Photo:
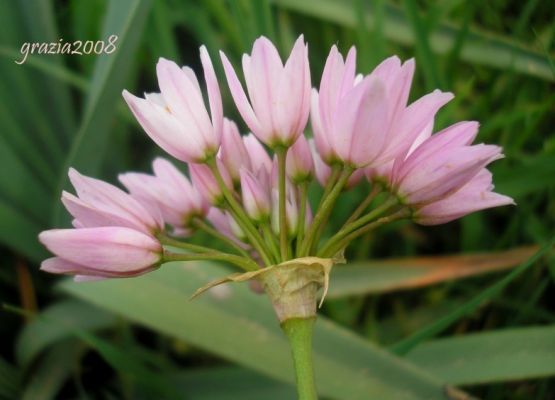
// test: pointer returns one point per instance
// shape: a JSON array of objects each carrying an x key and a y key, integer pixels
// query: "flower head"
[
  {"x": 177, "y": 119},
  {"x": 364, "y": 121},
  {"x": 100, "y": 252},
  {"x": 168, "y": 191},
  {"x": 279, "y": 94}
]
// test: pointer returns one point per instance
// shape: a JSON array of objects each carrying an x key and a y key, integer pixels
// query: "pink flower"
[
  {"x": 100, "y": 252},
  {"x": 233, "y": 152},
  {"x": 259, "y": 158},
  {"x": 101, "y": 204},
  {"x": 441, "y": 165},
  {"x": 177, "y": 120},
  {"x": 206, "y": 184},
  {"x": 225, "y": 224},
  {"x": 168, "y": 191},
  {"x": 323, "y": 170},
  {"x": 256, "y": 197},
  {"x": 299, "y": 165},
  {"x": 279, "y": 94},
  {"x": 476, "y": 195},
  {"x": 291, "y": 212},
  {"x": 364, "y": 121}
]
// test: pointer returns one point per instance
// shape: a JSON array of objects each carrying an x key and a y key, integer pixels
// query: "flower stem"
[
  {"x": 241, "y": 262},
  {"x": 352, "y": 226},
  {"x": 333, "y": 246},
  {"x": 303, "y": 194},
  {"x": 239, "y": 214},
  {"x": 299, "y": 333},
  {"x": 271, "y": 240},
  {"x": 364, "y": 204},
  {"x": 170, "y": 241},
  {"x": 199, "y": 223},
  {"x": 281, "y": 153},
  {"x": 324, "y": 210}
]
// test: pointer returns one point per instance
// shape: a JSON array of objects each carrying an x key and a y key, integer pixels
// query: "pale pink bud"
[
  {"x": 206, "y": 184},
  {"x": 101, "y": 252},
  {"x": 256, "y": 197},
  {"x": 291, "y": 213},
  {"x": 441, "y": 165},
  {"x": 102, "y": 204},
  {"x": 259, "y": 158},
  {"x": 178, "y": 120},
  {"x": 169, "y": 191},
  {"x": 476, "y": 195},
  {"x": 299, "y": 165},
  {"x": 233, "y": 152},
  {"x": 279, "y": 94}
]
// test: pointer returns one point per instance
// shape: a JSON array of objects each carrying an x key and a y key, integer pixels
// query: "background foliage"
[{"x": 492, "y": 333}]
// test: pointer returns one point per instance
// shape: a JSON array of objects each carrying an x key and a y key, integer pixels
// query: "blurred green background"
[{"x": 400, "y": 329}]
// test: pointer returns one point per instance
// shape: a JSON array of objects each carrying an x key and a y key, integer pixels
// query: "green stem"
[
  {"x": 200, "y": 224},
  {"x": 170, "y": 241},
  {"x": 271, "y": 240},
  {"x": 239, "y": 214},
  {"x": 364, "y": 204},
  {"x": 299, "y": 333},
  {"x": 324, "y": 210},
  {"x": 350, "y": 227},
  {"x": 332, "y": 247},
  {"x": 241, "y": 262},
  {"x": 303, "y": 194},
  {"x": 281, "y": 153}
]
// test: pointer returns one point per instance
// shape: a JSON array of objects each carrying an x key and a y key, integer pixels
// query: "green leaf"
[
  {"x": 126, "y": 20},
  {"x": 9, "y": 380},
  {"x": 232, "y": 383},
  {"x": 382, "y": 276},
  {"x": 58, "y": 322},
  {"x": 522, "y": 353},
  {"x": 52, "y": 371},
  {"x": 480, "y": 47},
  {"x": 441, "y": 324},
  {"x": 247, "y": 332}
]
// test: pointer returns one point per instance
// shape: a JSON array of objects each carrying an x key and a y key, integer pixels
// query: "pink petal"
[
  {"x": 109, "y": 198},
  {"x": 165, "y": 130},
  {"x": 214, "y": 96},
  {"x": 239, "y": 96},
  {"x": 112, "y": 249},
  {"x": 184, "y": 101}
]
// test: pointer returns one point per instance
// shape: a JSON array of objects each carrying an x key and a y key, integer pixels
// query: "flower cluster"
[{"x": 250, "y": 191}]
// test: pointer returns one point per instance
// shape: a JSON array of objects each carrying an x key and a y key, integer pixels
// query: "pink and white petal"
[
  {"x": 183, "y": 98},
  {"x": 239, "y": 96},
  {"x": 214, "y": 95},
  {"x": 112, "y": 249},
  {"x": 90, "y": 217},
  {"x": 165, "y": 130},
  {"x": 107, "y": 197}
]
